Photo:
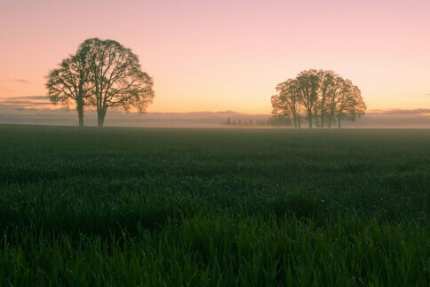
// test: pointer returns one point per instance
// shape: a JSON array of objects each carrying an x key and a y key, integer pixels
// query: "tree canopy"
[
  {"x": 323, "y": 98},
  {"x": 104, "y": 74},
  {"x": 69, "y": 83}
]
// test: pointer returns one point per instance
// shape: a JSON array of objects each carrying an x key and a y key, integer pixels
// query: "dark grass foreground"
[{"x": 160, "y": 207}]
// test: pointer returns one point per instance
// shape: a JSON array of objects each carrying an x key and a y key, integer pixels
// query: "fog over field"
[{"x": 36, "y": 111}]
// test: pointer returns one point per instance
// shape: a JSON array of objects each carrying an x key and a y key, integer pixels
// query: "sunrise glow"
[{"x": 228, "y": 55}]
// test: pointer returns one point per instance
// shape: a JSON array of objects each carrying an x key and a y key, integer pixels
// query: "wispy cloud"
[
  {"x": 34, "y": 102},
  {"x": 32, "y": 98},
  {"x": 416, "y": 112},
  {"x": 22, "y": 103},
  {"x": 21, "y": 81}
]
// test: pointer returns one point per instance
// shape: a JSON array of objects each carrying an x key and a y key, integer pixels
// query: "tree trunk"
[
  {"x": 80, "y": 110},
  {"x": 101, "y": 118},
  {"x": 81, "y": 117},
  {"x": 295, "y": 120},
  {"x": 323, "y": 113},
  {"x": 310, "y": 123},
  {"x": 339, "y": 123},
  {"x": 331, "y": 120}
]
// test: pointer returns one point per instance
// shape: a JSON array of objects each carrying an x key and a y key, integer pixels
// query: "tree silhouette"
[
  {"x": 323, "y": 97},
  {"x": 308, "y": 85},
  {"x": 69, "y": 83},
  {"x": 327, "y": 87},
  {"x": 287, "y": 102},
  {"x": 102, "y": 73},
  {"x": 116, "y": 75}
]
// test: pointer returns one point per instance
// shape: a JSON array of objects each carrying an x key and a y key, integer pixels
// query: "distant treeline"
[
  {"x": 322, "y": 98},
  {"x": 248, "y": 122},
  {"x": 270, "y": 121}
]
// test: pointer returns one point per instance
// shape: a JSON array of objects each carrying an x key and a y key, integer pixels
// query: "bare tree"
[
  {"x": 69, "y": 84},
  {"x": 116, "y": 76}
]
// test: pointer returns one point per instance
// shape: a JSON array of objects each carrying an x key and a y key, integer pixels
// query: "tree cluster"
[
  {"x": 322, "y": 98},
  {"x": 102, "y": 74}
]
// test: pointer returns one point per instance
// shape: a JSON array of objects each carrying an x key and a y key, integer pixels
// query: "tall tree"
[
  {"x": 69, "y": 84},
  {"x": 358, "y": 106},
  {"x": 343, "y": 101},
  {"x": 333, "y": 96},
  {"x": 327, "y": 85},
  {"x": 287, "y": 102},
  {"x": 308, "y": 85},
  {"x": 116, "y": 75}
]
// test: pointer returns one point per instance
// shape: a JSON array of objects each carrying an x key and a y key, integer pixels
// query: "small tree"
[
  {"x": 69, "y": 84},
  {"x": 323, "y": 96},
  {"x": 116, "y": 75}
]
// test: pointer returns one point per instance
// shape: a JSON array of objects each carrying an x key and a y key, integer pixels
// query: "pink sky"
[{"x": 228, "y": 54}]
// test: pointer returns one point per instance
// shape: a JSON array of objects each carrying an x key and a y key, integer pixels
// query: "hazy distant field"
[{"x": 166, "y": 207}]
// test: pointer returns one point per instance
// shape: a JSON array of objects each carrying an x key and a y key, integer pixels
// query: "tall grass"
[{"x": 131, "y": 207}]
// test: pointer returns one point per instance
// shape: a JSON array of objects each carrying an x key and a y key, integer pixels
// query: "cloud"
[
  {"x": 22, "y": 103},
  {"x": 31, "y": 98},
  {"x": 26, "y": 102},
  {"x": 21, "y": 81},
  {"x": 417, "y": 112}
]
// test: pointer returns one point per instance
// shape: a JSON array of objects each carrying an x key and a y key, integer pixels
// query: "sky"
[{"x": 228, "y": 54}]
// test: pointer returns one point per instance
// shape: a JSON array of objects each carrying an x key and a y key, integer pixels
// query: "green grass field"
[{"x": 166, "y": 207}]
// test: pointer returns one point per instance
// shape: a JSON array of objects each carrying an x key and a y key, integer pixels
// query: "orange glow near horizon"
[{"x": 228, "y": 55}]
